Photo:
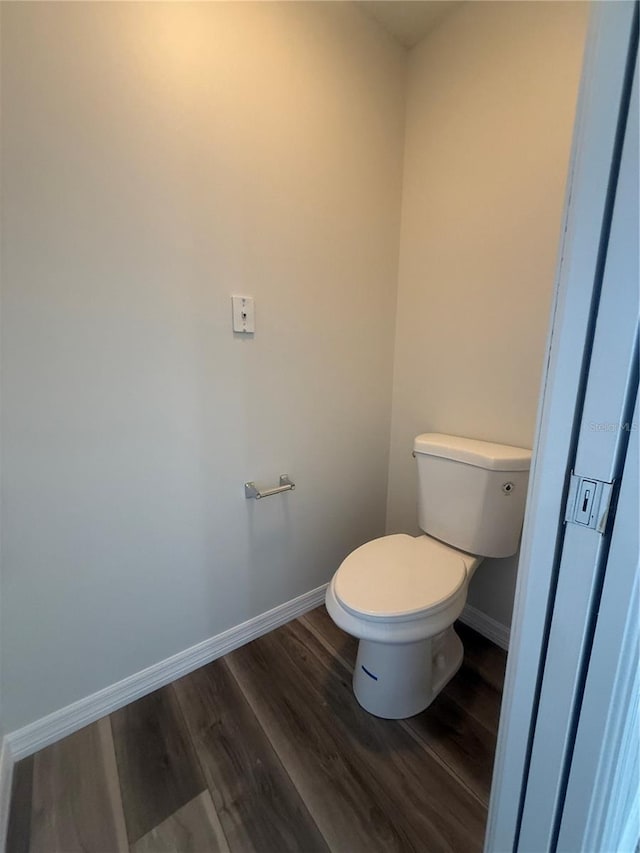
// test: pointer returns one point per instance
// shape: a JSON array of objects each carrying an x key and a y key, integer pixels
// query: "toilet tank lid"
[{"x": 482, "y": 454}]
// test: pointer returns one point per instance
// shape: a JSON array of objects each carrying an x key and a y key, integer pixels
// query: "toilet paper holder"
[{"x": 252, "y": 491}]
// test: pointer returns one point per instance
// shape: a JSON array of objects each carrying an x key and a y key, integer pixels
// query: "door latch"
[{"x": 588, "y": 502}]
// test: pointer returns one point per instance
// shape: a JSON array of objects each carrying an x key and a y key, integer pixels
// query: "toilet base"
[{"x": 398, "y": 680}]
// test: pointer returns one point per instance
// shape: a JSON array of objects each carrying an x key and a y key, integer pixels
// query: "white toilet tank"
[{"x": 471, "y": 494}]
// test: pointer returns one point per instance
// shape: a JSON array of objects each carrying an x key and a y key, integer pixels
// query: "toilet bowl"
[{"x": 400, "y": 595}]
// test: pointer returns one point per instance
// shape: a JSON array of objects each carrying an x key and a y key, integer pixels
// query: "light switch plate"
[{"x": 243, "y": 314}]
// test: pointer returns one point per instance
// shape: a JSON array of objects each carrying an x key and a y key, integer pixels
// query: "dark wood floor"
[{"x": 267, "y": 750}]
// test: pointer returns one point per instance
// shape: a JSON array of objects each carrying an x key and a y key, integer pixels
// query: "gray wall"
[
  {"x": 157, "y": 158},
  {"x": 490, "y": 106}
]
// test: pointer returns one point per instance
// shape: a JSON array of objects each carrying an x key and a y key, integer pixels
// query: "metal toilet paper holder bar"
[{"x": 252, "y": 491}]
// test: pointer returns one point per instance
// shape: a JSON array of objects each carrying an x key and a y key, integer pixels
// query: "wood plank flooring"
[
  {"x": 155, "y": 755},
  {"x": 267, "y": 751}
]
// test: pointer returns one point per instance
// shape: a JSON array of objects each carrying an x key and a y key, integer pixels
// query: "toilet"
[{"x": 400, "y": 595}]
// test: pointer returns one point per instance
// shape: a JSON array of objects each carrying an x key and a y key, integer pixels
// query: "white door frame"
[
  {"x": 601, "y": 805},
  {"x": 596, "y": 147},
  {"x": 600, "y": 456}
]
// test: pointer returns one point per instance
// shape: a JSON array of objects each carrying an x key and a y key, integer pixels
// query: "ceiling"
[{"x": 408, "y": 21}]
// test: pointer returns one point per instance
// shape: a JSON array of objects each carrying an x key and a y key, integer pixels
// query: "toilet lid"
[{"x": 399, "y": 576}]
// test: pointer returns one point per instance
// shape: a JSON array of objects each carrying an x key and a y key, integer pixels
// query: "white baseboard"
[
  {"x": 59, "y": 724},
  {"x": 6, "y": 775},
  {"x": 485, "y": 625}
]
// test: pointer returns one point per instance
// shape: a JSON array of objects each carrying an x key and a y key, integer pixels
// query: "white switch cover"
[{"x": 243, "y": 314}]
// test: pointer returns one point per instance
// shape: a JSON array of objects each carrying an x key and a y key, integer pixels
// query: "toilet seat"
[{"x": 399, "y": 578}]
